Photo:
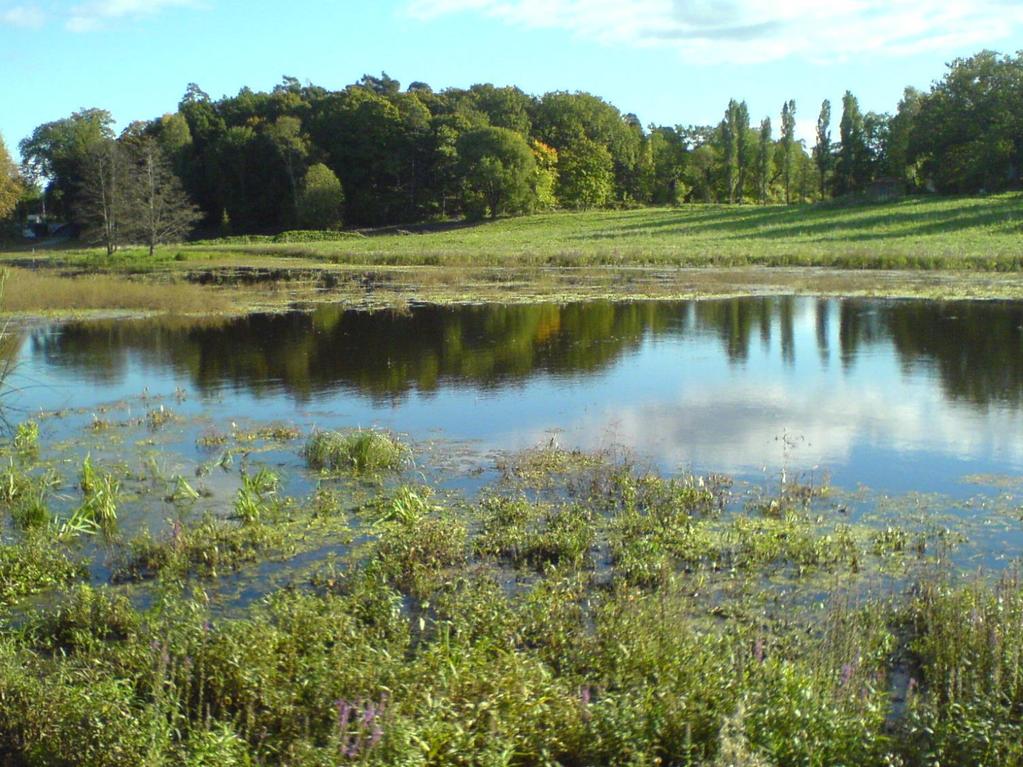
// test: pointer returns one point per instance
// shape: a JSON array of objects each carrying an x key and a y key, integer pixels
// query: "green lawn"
[
  {"x": 914, "y": 233},
  {"x": 975, "y": 233}
]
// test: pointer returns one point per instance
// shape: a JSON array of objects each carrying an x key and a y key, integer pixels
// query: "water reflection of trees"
[
  {"x": 382, "y": 354},
  {"x": 976, "y": 348}
]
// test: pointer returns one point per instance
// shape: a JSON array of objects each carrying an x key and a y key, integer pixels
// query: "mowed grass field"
[{"x": 914, "y": 233}]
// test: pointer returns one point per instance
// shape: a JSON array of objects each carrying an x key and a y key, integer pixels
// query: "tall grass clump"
[
  {"x": 101, "y": 491},
  {"x": 360, "y": 450},
  {"x": 966, "y": 696}
]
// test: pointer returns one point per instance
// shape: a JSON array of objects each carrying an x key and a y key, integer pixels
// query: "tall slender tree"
[
  {"x": 853, "y": 150},
  {"x": 763, "y": 166},
  {"x": 742, "y": 139},
  {"x": 788, "y": 140},
  {"x": 822, "y": 150},
  {"x": 730, "y": 148}
]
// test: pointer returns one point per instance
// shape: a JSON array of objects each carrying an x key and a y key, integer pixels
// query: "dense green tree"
[
  {"x": 292, "y": 148},
  {"x": 585, "y": 174},
  {"x": 505, "y": 107},
  {"x": 399, "y": 155},
  {"x": 175, "y": 139},
  {"x": 701, "y": 174},
  {"x": 321, "y": 201},
  {"x": 499, "y": 170},
  {"x": 561, "y": 118},
  {"x": 545, "y": 179},
  {"x": 57, "y": 152},
  {"x": 968, "y": 131},
  {"x": 668, "y": 156},
  {"x": 853, "y": 154},
  {"x": 897, "y": 163},
  {"x": 10, "y": 183}
]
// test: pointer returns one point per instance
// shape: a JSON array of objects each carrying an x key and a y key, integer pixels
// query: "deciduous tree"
[
  {"x": 10, "y": 183},
  {"x": 499, "y": 168},
  {"x": 822, "y": 149},
  {"x": 765, "y": 151},
  {"x": 788, "y": 140},
  {"x": 852, "y": 153},
  {"x": 103, "y": 199},
  {"x": 159, "y": 210},
  {"x": 322, "y": 199},
  {"x": 585, "y": 174}
]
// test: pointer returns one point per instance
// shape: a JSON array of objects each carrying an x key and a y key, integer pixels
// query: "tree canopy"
[
  {"x": 10, "y": 183},
  {"x": 419, "y": 154}
]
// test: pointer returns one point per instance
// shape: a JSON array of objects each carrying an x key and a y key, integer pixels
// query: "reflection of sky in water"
[{"x": 677, "y": 398}]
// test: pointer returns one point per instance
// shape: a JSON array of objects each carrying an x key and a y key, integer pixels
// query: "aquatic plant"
[
  {"x": 98, "y": 510},
  {"x": 256, "y": 493},
  {"x": 26, "y": 438},
  {"x": 360, "y": 450}
]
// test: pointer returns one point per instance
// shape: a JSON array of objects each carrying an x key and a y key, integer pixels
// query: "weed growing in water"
[
  {"x": 362, "y": 450},
  {"x": 26, "y": 438},
  {"x": 257, "y": 495},
  {"x": 98, "y": 510}
]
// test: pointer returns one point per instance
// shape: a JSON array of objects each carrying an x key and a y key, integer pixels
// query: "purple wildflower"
[
  {"x": 375, "y": 736},
  {"x": 758, "y": 650},
  {"x": 847, "y": 673}
]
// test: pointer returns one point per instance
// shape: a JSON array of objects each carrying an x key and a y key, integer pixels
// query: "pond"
[{"x": 897, "y": 396}]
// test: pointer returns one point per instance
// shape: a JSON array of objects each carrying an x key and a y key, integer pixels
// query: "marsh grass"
[
  {"x": 257, "y": 497},
  {"x": 602, "y": 615},
  {"x": 97, "y": 512},
  {"x": 361, "y": 450},
  {"x": 37, "y": 562},
  {"x": 207, "y": 548},
  {"x": 38, "y": 291}
]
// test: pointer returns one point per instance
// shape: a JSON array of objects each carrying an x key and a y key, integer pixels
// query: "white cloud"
[
  {"x": 89, "y": 16},
  {"x": 747, "y": 31},
  {"x": 21, "y": 16},
  {"x": 735, "y": 427}
]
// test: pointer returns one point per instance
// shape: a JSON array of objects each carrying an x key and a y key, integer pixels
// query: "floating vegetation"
[{"x": 159, "y": 417}]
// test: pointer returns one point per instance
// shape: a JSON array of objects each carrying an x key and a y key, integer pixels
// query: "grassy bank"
[
  {"x": 936, "y": 247},
  {"x": 917, "y": 233}
]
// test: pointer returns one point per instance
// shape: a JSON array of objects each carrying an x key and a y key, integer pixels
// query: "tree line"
[{"x": 371, "y": 154}]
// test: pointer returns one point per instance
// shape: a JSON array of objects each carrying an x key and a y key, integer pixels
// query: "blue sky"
[{"x": 668, "y": 61}]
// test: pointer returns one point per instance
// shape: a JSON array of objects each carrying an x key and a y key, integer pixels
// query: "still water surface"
[{"x": 894, "y": 395}]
